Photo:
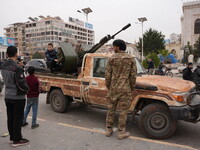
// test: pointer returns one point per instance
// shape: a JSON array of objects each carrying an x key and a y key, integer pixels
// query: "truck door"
[{"x": 97, "y": 88}]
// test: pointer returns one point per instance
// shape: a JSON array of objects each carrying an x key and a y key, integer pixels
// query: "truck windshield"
[{"x": 99, "y": 67}]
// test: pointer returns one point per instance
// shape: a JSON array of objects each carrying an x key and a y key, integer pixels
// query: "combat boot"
[
  {"x": 123, "y": 135},
  {"x": 109, "y": 132}
]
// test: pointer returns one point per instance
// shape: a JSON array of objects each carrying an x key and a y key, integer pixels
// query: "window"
[
  {"x": 34, "y": 25},
  {"x": 48, "y": 33},
  {"x": 99, "y": 67},
  {"x": 47, "y": 22},
  {"x": 197, "y": 27}
]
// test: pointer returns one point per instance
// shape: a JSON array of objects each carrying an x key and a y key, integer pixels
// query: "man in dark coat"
[
  {"x": 150, "y": 66},
  {"x": 187, "y": 72},
  {"x": 15, "y": 90},
  {"x": 51, "y": 57}
]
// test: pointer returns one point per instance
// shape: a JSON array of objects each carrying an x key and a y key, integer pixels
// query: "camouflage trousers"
[{"x": 121, "y": 101}]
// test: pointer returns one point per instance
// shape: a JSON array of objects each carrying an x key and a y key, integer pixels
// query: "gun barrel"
[
  {"x": 101, "y": 43},
  {"x": 124, "y": 28}
]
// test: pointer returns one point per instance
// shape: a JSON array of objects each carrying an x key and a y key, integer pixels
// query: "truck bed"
[{"x": 69, "y": 84}]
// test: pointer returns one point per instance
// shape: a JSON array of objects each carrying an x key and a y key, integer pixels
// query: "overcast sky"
[{"x": 108, "y": 16}]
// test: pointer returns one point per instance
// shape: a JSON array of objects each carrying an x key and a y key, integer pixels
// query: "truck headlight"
[{"x": 180, "y": 96}]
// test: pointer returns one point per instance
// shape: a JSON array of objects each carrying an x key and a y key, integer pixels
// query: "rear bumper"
[{"x": 186, "y": 113}]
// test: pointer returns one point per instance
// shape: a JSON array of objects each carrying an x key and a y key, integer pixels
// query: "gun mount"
[{"x": 73, "y": 60}]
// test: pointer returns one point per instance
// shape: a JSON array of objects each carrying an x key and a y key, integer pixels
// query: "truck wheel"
[
  {"x": 156, "y": 121},
  {"x": 58, "y": 101}
]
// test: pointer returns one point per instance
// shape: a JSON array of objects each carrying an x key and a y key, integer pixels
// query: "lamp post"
[
  {"x": 143, "y": 19},
  {"x": 85, "y": 11}
]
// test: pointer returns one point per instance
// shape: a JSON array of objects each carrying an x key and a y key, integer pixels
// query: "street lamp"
[
  {"x": 143, "y": 19},
  {"x": 85, "y": 11}
]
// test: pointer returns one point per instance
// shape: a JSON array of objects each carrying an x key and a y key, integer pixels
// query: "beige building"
[
  {"x": 17, "y": 31},
  {"x": 40, "y": 32},
  {"x": 132, "y": 49},
  {"x": 35, "y": 34},
  {"x": 190, "y": 22},
  {"x": 174, "y": 46}
]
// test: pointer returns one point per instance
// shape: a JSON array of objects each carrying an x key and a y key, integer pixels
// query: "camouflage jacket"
[{"x": 121, "y": 72}]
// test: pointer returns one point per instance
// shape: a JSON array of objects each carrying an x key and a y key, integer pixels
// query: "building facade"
[
  {"x": 43, "y": 30},
  {"x": 190, "y": 22},
  {"x": 17, "y": 31},
  {"x": 53, "y": 30}
]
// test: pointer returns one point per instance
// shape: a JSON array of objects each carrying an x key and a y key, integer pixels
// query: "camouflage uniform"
[{"x": 120, "y": 80}]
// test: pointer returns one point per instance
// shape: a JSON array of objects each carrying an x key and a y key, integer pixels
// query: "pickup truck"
[{"x": 158, "y": 100}]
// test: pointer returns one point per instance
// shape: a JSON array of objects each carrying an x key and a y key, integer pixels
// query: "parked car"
[
  {"x": 1, "y": 83},
  {"x": 39, "y": 64}
]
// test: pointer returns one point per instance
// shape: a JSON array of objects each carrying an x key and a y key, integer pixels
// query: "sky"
[{"x": 108, "y": 16}]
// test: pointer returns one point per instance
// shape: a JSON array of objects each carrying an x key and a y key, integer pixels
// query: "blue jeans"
[{"x": 31, "y": 102}]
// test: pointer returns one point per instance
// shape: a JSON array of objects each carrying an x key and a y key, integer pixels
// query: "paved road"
[{"x": 82, "y": 128}]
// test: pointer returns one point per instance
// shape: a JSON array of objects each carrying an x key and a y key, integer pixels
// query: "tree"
[
  {"x": 163, "y": 52},
  {"x": 153, "y": 41},
  {"x": 154, "y": 57}
]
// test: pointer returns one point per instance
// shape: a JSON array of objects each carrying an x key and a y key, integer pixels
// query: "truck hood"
[{"x": 165, "y": 83}]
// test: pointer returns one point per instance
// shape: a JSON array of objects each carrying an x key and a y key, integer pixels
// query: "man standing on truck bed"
[{"x": 120, "y": 79}]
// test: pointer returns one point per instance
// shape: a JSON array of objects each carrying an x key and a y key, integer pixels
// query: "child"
[
  {"x": 51, "y": 57},
  {"x": 32, "y": 97}
]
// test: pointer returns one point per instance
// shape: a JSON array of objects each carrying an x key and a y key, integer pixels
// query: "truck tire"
[
  {"x": 58, "y": 101},
  {"x": 156, "y": 121}
]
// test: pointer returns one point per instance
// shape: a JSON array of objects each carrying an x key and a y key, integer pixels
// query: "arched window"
[{"x": 197, "y": 27}]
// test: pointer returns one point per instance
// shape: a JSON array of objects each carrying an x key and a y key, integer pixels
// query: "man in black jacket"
[
  {"x": 196, "y": 76},
  {"x": 51, "y": 57},
  {"x": 15, "y": 91},
  {"x": 187, "y": 72},
  {"x": 150, "y": 66}
]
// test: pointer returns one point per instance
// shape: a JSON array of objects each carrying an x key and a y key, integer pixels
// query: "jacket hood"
[{"x": 166, "y": 83}]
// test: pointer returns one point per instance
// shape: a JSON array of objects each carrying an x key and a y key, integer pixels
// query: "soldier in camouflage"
[{"x": 120, "y": 79}]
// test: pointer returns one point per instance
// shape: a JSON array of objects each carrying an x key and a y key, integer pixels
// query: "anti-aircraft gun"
[{"x": 73, "y": 60}]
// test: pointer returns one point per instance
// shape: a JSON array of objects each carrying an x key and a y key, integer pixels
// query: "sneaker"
[
  {"x": 34, "y": 126},
  {"x": 123, "y": 135},
  {"x": 24, "y": 124},
  {"x": 20, "y": 143},
  {"x": 109, "y": 132}
]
